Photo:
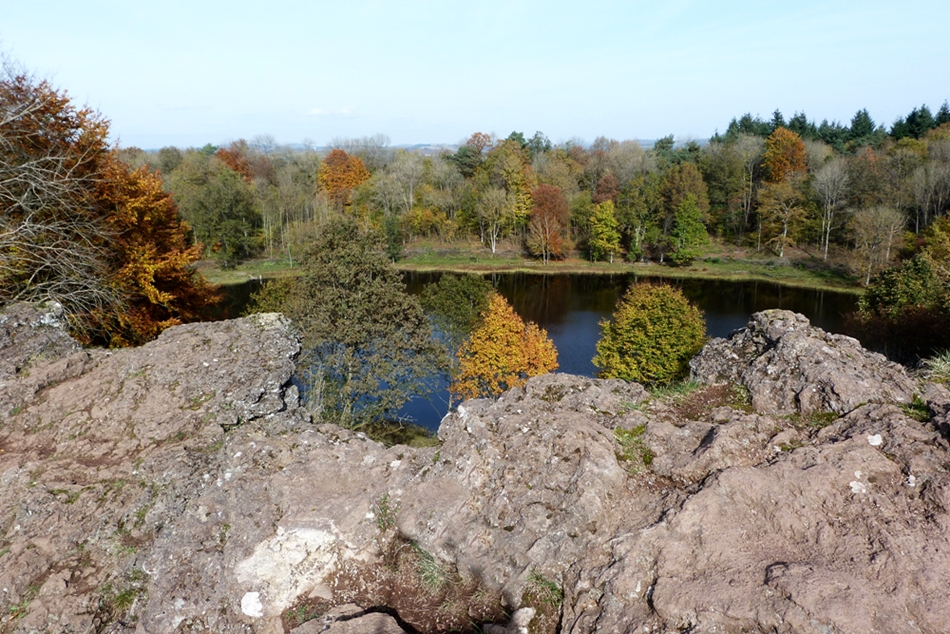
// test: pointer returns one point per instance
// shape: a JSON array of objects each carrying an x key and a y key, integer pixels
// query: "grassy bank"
[{"x": 800, "y": 270}]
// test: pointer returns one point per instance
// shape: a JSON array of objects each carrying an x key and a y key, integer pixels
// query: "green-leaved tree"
[
  {"x": 689, "y": 233},
  {"x": 654, "y": 333},
  {"x": 604, "y": 235},
  {"x": 367, "y": 344}
]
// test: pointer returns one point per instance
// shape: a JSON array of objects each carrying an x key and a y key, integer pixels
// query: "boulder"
[
  {"x": 181, "y": 486},
  {"x": 789, "y": 366}
]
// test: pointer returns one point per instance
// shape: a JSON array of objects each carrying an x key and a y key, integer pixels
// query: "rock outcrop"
[
  {"x": 181, "y": 487},
  {"x": 789, "y": 366}
]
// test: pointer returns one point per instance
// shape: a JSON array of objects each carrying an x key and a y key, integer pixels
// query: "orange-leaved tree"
[
  {"x": 502, "y": 353},
  {"x": 548, "y": 223},
  {"x": 785, "y": 156},
  {"x": 151, "y": 260},
  {"x": 339, "y": 174},
  {"x": 78, "y": 227}
]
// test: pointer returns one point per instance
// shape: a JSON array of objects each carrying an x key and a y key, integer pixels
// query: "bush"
[
  {"x": 654, "y": 333},
  {"x": 904, "y": 313}
]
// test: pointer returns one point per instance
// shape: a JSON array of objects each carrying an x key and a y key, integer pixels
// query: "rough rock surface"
[
  {"x": 180, "y": 487},
  {"x": 790, "y": 366}
]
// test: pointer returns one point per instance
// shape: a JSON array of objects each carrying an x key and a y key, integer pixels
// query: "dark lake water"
[{"x": 570, "y": 308}]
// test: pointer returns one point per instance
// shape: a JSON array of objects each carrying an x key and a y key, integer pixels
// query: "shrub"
[
  {"x": 654, "y": 333},
  {"x": 904, "y": 312}
]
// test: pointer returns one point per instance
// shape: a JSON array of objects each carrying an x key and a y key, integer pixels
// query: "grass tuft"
[
  {"x": 633, "y": 450},
  {"x": 937, "y": 367}
]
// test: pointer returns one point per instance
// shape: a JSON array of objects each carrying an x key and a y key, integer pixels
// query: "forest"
[{"x": 858, "y": 195}]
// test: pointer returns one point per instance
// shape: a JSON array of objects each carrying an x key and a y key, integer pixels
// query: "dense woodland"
[{"x": 858, "y": 194}]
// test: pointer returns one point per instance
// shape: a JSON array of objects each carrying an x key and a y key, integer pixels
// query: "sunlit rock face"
[{"x": 180, "y": 486}]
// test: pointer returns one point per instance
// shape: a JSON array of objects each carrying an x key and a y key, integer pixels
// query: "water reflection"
[{"x": 571, "y": 307}]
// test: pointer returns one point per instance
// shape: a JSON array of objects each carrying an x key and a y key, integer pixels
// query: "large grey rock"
[
  {"x": 181, "y": 487},
  {"x": 790, "y": 366},
  {"x": 35, "y": 351}
]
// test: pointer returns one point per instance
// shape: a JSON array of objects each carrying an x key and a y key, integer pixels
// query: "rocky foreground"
[{"x": 181, "y": 487}]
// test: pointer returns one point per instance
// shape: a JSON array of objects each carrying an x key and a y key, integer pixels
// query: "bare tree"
[
  {"x": 818, "y": 153},
  {"x": 406, "y": 170},
  {"x": 374, "y": 150},
  {"x": 931, "y": 183},
  {"x": 494, "y": 211},
  {"x": 831, "y": 185},
  {"x": 53, "y": 236},
  {"x": 627, "y": 159},
  {"x": 875, "y": 231},
  {"x": 750, "y": 149},
  {"x": 780, "y": 207}
]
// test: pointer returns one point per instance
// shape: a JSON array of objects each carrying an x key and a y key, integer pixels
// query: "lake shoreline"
[{"x": 788, "y": 274}]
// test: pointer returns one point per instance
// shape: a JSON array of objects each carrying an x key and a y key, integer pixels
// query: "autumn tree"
[
  {"x": 547, "y": 223},
  {"x": 604, "y": 236},
  {"x": 339, "y": 174},
  {"x": 785, "y": 155},
  {"x": 152, "y": 261},
  {"x": 654, "y": 333},
  {"x": 236, "y": 158},
  {"x": 502, "y": 353},
  {"x": 79, "y": 226},
  {"x": 456, "y": 305}
]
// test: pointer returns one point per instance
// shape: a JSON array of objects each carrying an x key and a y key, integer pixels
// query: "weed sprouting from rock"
[
  {"x": 385, "y": 512},
  {"x": 633, "y": 451}
]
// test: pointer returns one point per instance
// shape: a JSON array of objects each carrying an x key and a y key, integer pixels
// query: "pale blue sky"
[{"x": 189, "y": 73}]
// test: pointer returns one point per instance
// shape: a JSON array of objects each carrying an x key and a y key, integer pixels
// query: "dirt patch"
[
  {"x": 696, "y": 402},
  {"x": 423, "y": 594}
]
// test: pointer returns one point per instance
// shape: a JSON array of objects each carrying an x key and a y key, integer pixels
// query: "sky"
[{"x": 204, "y": 71}]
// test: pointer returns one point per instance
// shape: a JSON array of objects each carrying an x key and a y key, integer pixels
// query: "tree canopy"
[
  {"x": 502, "y": 353},
  {"x": 368, "y": 346},
  {"x": 80, "y": 227}
]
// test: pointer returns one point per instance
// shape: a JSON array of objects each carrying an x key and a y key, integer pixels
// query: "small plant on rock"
[
  {"x": 937, "y": 367},
  {"x": 385, "y": 512},
  {"x": 633, "y": 450},
  {"x": 431, "y": 572},
  {"x": 543, "y": 590}
]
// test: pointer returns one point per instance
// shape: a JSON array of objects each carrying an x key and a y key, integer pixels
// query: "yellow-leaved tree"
[{"x": 502, "y": 353}]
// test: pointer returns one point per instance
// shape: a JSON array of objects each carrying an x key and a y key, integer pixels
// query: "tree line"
[{"x": 856, "y": 194}]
